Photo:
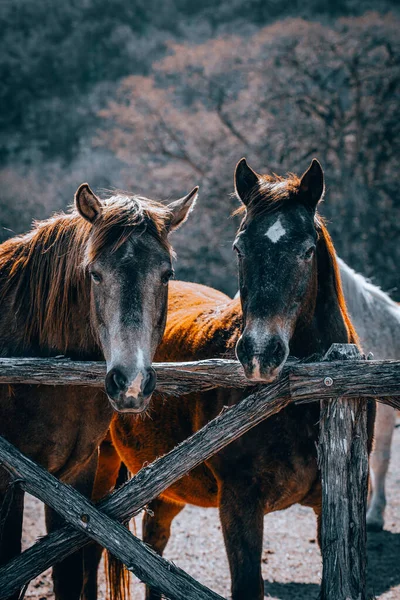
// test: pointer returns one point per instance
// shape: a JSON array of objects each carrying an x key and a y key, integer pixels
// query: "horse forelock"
[
  {"x": 42, "y": 273},
  {"x": 122, "y": 215},
  {"x": 271, "y": 192}
]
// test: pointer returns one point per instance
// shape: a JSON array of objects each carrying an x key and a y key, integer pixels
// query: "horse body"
[
  {"x": 269, "y": 468},
  {"x": 52, "y": 305},
  {"x": 275, "y": 464},
  {"x": 375, "y": 315},
  {"x": 377, "y": 320},
  {"x": 59, "y": 430},
  {"x": 28, "y": 414},
  {"x": 201, "y": 323}
]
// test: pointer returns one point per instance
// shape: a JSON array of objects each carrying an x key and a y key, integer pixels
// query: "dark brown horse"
[
  {"x": 292, "y": 302},
  {"x": 87, "y": 284}
]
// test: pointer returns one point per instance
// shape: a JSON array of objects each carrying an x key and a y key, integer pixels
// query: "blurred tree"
[
  {"x": 53, "y": 55},
  {"x": 290, "y": 91},
  {"x": 278, "y": 94}
]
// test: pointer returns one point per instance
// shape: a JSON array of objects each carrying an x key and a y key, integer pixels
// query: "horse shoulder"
[{"x": 195, "y": 314}]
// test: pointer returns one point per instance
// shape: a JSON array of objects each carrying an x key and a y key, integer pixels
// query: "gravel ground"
[{"x": 291, "y": 558}]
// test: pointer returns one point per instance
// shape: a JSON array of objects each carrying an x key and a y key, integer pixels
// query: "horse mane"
[
  {"x": 364, "y": 288},
  {"x": 324, "y": 235},
  {"x": 43, "y": 273},
  {"x": 120, "y": 214},
  {"x": 272, "y": 192}
]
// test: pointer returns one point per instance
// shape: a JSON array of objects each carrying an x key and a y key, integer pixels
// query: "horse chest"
[
  {"x": 277, "y": 459},
  {"x": 59, "y": 428}
]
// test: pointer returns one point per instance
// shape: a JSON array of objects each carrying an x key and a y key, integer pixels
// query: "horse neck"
[
  {"x": 329, "y": 321},
  {"x": 375, "y": 315},
  {"x": 45, "y": 294},
  {"x": 231, "y": 323}
]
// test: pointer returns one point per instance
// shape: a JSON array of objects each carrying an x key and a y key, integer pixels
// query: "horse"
[
  {"x": 376, "y": 318},
  {"x": 291, "y": 301},
  {"x": 88, "y": 284}
]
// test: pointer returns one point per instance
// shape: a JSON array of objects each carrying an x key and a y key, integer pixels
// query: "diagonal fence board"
[
  {"x": 139, "y": 491},
  {"x": 300, "y": 382},
  {"x": 149, "y": 482},
  {"x": 77, "y": 510}
]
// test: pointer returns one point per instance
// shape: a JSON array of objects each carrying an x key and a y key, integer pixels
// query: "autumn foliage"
[{"x": 279, "y": 95}]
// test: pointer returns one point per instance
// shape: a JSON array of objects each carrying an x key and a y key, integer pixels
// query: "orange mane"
[{"x": 322, "y": 231}]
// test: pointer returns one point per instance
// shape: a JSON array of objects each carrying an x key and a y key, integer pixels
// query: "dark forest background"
[{"x": 156, "y": 97}]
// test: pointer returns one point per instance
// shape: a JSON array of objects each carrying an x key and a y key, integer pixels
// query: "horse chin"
[
  {"x": 130, "y": 404},
  {"x": 266, "y": 377}
]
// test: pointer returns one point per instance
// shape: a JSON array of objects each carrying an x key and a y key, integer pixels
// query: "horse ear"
[
  {"x": 180, "y": 209},
  {"x": 312, "y": 184},
  {"x": 245, "y": 180},
  {"x": 87, "y": 203}
]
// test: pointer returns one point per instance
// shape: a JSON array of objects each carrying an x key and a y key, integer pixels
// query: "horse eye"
[
  {"x": 309, "y": 253},
  {"x": 167, "y": 276},
  {"x": 96, "y": 277}
]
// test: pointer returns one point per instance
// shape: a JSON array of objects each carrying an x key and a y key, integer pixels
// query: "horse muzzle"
[
  {"x": 262, "y": 364},
  {"x": 130, "y": 396}
]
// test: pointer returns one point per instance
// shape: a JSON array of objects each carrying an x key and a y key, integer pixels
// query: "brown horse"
[
  {"x": 292, "y": 301},
  {"x": 87, "y": 284}
]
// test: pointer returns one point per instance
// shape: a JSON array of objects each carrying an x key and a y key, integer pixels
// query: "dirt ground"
[{"x": 291, "y": 558}]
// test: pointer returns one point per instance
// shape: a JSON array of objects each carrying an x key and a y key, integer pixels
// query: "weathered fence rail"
[
  {"x": 306, "y": 380},
  {"x": 300, "y": 382}
]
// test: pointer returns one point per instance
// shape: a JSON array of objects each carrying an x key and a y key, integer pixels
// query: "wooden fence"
[{"x": 343, "y": 382}]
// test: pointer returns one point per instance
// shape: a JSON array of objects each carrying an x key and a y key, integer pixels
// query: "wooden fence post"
[{"x": 343, "y": 460}]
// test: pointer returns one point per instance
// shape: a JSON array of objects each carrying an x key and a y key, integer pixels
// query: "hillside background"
[{"x": 156, "y": 97}]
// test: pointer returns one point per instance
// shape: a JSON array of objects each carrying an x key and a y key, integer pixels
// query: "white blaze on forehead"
[{"x": 276, "y": 231}]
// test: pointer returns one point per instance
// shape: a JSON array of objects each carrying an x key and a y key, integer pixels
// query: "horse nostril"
[
  {"x": 279, "y": 351},
  {"x": 243, "y": 349},
  {"x": 149, "y": 384},
  {"x": 116, "y": 382}
]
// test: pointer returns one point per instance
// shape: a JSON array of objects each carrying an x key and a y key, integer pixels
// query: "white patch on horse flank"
[{"x": 276, "y": 231}]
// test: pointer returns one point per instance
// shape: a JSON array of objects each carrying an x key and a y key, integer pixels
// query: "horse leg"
[
  {"x": 157, "y": 529},
  {"x": 11, "y": 517},
  {"x": 91, "y": 560},
  {"x": 379, "y": 463},
  {"x": 242, "y": 518},
  {"x": 108, "y": 468},
  {"x": 68, "y": 574},
  {"x": 318, "y": 514}
]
